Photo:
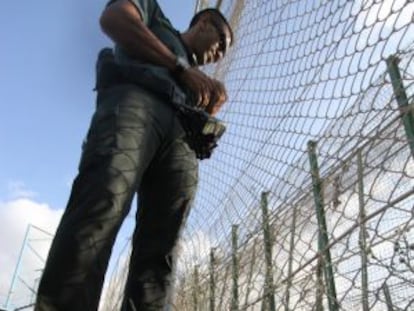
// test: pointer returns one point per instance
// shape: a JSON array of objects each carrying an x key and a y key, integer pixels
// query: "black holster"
[{"x": 203, "y": 130}]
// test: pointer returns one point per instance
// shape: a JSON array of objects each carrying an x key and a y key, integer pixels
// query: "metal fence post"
[
  {"x": 319, "y": 284},
  {"x": 290, "y": 263},
  {"x": 387, "y": 295},
  {"x": 267, "y": 237},
  {"x": 402, "y": 99},
  {"x": 222, "y": 297},
  {"x": 212, "y": 279},
  {"x": 235, "y": 266},
  {"x": 323, "y": 232},
  {"x": 362, "y": 234},
  {"x": 250, "y": 275},
  {"x": 201, "y": 5},
  {"x": 196, "y": 291}
]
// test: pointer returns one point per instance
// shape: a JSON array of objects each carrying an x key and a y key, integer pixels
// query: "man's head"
[{"x": 211, "y": 36}]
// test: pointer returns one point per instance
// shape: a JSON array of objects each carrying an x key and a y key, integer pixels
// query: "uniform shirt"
[{"x": 155, "y": 20}]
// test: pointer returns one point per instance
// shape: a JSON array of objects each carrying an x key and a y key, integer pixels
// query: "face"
[{"x": 213, "y": 41}]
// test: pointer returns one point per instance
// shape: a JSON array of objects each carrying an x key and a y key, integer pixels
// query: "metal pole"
[
  {"x": 250, "y": 275},
  {"x": 197, "y": 5},
  {"x": 402, "y": 99},
  {"x": 201, "y": 5},
  {"x": 224, "y": 285},
  {"x": 17, "y": 269},
  {"x": 235, "y": 265},
  {"x": 212, "y": 280},
  {"x": 323, "y": 232},
  {"x": 35, "y": 285},
  {"x": 195, "y": 288},
  {"x": 290, "y": 263},
  {"x": 362, "y": 234},
  {"x": 267, "y": 237},
  {"x": 319, "y": 284},
  {"x": 387, "y": 295}
]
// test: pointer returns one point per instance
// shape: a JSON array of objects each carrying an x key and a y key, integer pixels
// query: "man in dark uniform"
[{"x": 136, "y": 143}]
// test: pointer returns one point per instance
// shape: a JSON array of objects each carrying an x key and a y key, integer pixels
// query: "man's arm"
[{"x": 123, "y": 23}]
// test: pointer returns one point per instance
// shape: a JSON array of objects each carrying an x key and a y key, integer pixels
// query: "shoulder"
[{"x": 145, "y": 8}]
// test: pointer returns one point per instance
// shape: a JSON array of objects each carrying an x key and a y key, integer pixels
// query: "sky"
[{"x": 47, "y": 58}]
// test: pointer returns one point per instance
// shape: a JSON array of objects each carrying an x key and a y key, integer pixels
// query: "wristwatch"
[{"x": 181, "y": 64}]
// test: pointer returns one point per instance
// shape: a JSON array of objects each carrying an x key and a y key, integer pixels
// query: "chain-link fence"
[{"x": 307, "y": 204}]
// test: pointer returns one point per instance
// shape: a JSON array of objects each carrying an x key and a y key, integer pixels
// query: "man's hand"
[
  {"x": 220, "y": 97},
  {"x": 210, "y": 93}
]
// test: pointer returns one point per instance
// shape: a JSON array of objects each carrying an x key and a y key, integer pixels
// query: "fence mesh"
[
  {"x": 307, "y": 204},
  {"x": 261, "y": 235}
]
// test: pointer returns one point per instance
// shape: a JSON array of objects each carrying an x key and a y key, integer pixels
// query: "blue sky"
[
  {"x": 47, "y": 58},
  {"x": 47, "y": 64}
]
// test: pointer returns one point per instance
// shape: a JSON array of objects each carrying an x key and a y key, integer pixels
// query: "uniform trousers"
[{"x": 135, "y": 144}]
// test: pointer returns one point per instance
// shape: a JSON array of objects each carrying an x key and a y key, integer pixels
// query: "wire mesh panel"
[
  {"x": 338, "y": 220},
  {"x": 307, "y": 203}
]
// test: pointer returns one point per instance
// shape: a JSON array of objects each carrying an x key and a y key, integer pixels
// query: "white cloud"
[
  {"x": 16, "y": 214},
  {"x": 18, "y": 189},
  {"x": 15, "y": 217},
  {"x": 111, "y": 297},
  {"x": 194, "y": 250}
]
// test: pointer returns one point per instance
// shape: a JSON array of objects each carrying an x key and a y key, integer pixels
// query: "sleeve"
[{"x": 145, "y": 8}]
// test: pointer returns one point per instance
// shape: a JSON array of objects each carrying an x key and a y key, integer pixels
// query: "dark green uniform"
[{"x": 135, "y": 144}]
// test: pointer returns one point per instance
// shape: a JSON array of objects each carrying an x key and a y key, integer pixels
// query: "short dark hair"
[{"x": 214, "y": 12}]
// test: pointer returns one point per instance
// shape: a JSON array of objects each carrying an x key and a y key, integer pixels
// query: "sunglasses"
[{"x": 224, "y": 42}]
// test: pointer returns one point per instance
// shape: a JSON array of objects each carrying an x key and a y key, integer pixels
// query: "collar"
[{"x": 192, "y": 59}]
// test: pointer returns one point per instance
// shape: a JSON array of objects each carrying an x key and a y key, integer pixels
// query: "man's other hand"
[{"x": 210, "y": 93}]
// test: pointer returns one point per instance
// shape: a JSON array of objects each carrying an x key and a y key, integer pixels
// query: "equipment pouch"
[{"x": 203, "y": 131}]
